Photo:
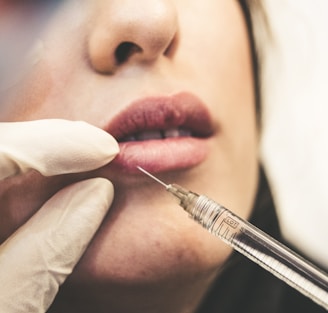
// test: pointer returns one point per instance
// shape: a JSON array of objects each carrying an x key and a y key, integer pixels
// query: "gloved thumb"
[
  {"x": 36, "y": 260},
  {"x": 53, "y": 147}
]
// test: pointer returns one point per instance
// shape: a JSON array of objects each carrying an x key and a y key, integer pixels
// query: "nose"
[{"x": 129, "y": 31}]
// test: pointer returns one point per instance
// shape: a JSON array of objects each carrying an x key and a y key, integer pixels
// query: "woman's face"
[{"x": 143, "y": 70}]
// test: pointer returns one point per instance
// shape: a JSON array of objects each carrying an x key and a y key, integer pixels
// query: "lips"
[{"x": 162, "y": 133}]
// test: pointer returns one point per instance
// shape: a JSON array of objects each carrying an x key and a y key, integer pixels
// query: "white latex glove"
[{"x": 38, "y": 257}]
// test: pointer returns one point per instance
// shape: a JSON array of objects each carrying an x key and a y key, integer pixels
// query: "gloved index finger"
[{"x": 53, "y": 147}]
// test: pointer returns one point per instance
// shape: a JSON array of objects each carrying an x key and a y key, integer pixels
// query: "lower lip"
[{"x": 161, "y": 155}]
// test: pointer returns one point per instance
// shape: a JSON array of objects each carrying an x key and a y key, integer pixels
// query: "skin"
[{"x": 147, "y": 256}]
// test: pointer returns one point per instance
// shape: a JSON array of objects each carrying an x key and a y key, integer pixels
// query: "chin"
[{"x": 148, "y": 249}]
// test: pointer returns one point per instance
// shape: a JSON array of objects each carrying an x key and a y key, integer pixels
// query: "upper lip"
[{"x": 183, "y": 110}]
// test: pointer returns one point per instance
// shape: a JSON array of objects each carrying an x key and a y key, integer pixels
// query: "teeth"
[
  {"x": 158, "y": 134},
  {"x": 171, "y": 133},
  {"x": 174, "y": 132},
  {"x": 149, "y": 135},
  {"x": 130, "y": 138},
  {"x": 185, "y": 133}
]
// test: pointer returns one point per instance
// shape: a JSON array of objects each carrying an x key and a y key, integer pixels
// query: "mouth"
[{"x": 162, "y": 133}]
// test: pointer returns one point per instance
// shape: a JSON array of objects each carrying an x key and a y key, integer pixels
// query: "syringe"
[{"x": 253, "y": 243}]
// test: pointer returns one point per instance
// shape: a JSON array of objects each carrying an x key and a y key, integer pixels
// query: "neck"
[{"x": 174, "y": 297}]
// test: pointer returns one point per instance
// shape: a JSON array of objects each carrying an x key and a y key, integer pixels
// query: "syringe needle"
[
  {"x": 153, "y": 177},
  {"x": 185, "y": 196}
]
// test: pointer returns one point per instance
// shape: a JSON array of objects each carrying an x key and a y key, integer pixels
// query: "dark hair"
[{"x": 248, "y": 6}]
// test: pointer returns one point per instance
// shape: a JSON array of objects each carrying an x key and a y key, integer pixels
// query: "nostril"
[
  {"x": 170, "y": 50},
  {"x": 125, "y": 50}
]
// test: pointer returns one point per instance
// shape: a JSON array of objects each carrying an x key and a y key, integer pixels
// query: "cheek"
[
  {"x": 29, "y": 96},
  {"x": 218, "y": 57}
]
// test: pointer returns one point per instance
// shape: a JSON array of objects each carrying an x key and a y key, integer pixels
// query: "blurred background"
[{"x": 294, "y": 144}]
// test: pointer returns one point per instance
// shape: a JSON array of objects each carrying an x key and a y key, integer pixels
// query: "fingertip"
[
  {"x": 105, "y": 187},
  {"x": 94, "y": 147},
  {"x": 83, "y": 147}
]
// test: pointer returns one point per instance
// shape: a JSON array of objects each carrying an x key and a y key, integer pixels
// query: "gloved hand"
[{"x": 38, "y": 257}]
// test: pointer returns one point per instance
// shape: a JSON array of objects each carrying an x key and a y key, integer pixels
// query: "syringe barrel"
[{"x": 261, "y": 248}]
